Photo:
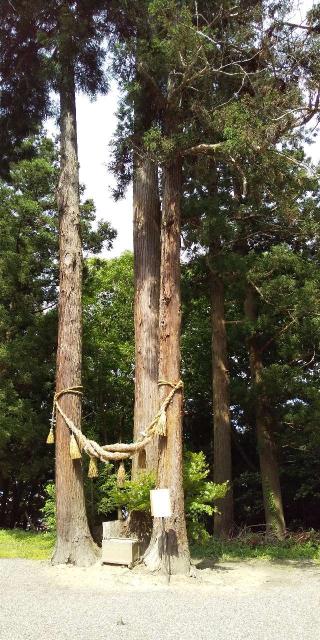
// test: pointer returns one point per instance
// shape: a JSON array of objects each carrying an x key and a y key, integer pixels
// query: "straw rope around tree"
[{"x": 110, "y": 452}]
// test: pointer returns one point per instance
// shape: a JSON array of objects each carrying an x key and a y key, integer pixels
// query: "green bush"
[
  {"x": 49, "y": 508},
  {"x": 200, "y": 494},
  {"x": 134, "y": 495}
]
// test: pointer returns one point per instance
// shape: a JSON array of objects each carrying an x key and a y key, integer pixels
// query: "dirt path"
[{"x": 229, "y": 601}]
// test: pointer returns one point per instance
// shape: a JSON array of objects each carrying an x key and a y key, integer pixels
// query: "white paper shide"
[{"x": 160, "y": 503}]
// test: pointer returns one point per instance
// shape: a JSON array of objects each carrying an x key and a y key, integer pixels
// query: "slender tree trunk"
[
  {"x": 15, "y": 504},
  {"x": 269, "y": 468},
  {"x": 74, "y": 542},
  {"x": 170, "y": 447},
  {"x": 5, "y": 485},
  {"x": 146, "y": 242},
  {"x": 222, "y": 465}
]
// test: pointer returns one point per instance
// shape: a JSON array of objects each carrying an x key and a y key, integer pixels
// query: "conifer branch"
[{"x": 203, "y": 149}]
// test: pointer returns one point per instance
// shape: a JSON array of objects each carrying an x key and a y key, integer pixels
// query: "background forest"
[
  {"x": 286, "y": 274},
  {"x": 250, "y": 278}
]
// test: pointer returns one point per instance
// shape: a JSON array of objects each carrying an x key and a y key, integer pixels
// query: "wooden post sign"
[
  {"x": 160, "y": 503},
  {"x": 161, "y": 508}
]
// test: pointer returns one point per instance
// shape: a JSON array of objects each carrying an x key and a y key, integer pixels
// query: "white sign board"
[{"x": 160, "y": 503}]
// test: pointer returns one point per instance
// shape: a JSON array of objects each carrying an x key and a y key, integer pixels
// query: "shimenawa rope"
[{"x": 118, "y": 451}]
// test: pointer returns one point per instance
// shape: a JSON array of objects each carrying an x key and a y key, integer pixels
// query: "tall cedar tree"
[
  {"x": 262, "y": 84},
  {"x": 146, "y": 243},
  {"x": 208, "y": 202},
  {"x": 239, "y": 231},
  {"x": 74, "y": 543},
  {"x": 70, "y": 56},
  {"x": 222, "y": 468},
  {"x": 269, "y": 468},
  {"x": 28, "y": 326},
  {"x": 146, "y": 247},
  {"x": 137, "y": 114}
]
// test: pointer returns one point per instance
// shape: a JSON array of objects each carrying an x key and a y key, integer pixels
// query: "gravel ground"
[{"x": 230, "y": 601}]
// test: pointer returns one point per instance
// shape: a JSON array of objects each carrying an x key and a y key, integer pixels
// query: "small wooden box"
[
  {"x": 113, "y": 529},
  {"x": 120, "y": 551}
]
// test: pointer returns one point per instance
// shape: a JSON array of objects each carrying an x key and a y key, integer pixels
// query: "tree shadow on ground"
[{"x": 210, "y": 563}]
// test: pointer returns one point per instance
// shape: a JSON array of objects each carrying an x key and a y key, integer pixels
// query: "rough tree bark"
[
  {"x": 272, "y": 499},
  {"x": 74, "y": 542},
  {"x": 222, "y": 462},
  {"x": 146, "y": 243},
  {"x": 170, "y": 447}
]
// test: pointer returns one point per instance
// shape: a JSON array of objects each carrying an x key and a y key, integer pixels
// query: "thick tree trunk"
[
  {"x": 272, "y": 499},
  {"x": 170, "y": 447},
  {"x": 222, "y": 463},
  {"x": 146, "y": 242},
  {"x": 74, "y": 542}
]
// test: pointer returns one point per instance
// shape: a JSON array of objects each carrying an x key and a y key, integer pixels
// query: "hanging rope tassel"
[
  {"x": 93, "y": 470},
  {"x": 161, "y": 426},
  {"x": 121, "y": 475},
  {"x": 75, "y": 453},
  {"x": 50, "y": 438}
]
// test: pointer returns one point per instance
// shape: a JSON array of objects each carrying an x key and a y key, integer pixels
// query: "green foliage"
[
  {"x": 134, "y": 495},
  {"x": 196, "y": 370},
  {"x": 109, "y": 348},
  {"x": 23, "y": 104},
  {"x": 28, "y": 276},
  {"x": 155, "y": 143},
  {"x": 49, "y": 508},
  {"x": 200, "y": 493}
]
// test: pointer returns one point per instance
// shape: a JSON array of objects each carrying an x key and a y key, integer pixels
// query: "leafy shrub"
[
  {"x": 133, "y": 496},
  {"x": 200, "y": 494},
  {"x": 49, "y": 508}
]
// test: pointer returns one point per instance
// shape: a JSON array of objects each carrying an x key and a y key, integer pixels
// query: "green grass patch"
[
  {"x": 16, "y": 543},
  {"x": 259, "y": 548}
]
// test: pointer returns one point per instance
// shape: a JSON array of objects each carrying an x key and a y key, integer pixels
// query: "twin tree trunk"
[
  {"x": 272, "y": 499},
  {"x": 170, "y": 474},
  {"x": 146, "y": 242},
  {"x": 222, "y": 468},
  {"x": 74, "y": 542}
]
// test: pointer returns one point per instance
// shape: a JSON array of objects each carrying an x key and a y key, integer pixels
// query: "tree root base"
[
  {"x": 168, "y": 560},
  {"x": 82, "y": 552}
]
